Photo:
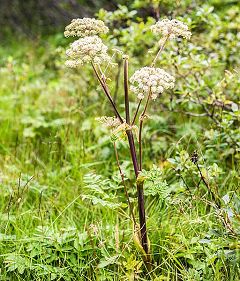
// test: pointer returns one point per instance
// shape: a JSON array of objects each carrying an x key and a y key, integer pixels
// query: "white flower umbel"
[
  {"x": 171, "y": 28},
  {"x": 109, "y": 122},
  {"x": 151, "y": 78},
  {"x": 85, "y": 50},
  {"x": 85, "y": 27},
  {"x": 118, "y": 128}
]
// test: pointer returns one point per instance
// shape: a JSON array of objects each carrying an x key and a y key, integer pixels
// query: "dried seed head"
[
  {"x": 85, "y": 27},
  {"x": 152, "y": 78},
  {"x": 171, "y": 28},
  {"x": 85, "y": 50}
]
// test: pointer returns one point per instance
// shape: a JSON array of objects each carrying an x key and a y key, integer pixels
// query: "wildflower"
[
  {"x": 151, "y": 78},
  {"x": 118, "y": 129},
  {"x": 94, "y": 229},
  {"x": 110, "y": 122},
  {"x": 85, "y": 50},
  {"x": 171, "y": 28},
  {"x": 101, "y": 244},
  {"x": 85, "y": 27}
]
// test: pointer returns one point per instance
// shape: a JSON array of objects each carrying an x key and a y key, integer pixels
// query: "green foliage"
[
  {"x": 154, "y": 183},
  {"x": 99, "y": 191}
]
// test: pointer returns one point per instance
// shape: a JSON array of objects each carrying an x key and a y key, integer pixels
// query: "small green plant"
[{"x": 147, "y": 84}]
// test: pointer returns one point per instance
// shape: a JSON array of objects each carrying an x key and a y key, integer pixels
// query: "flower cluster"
[
  {"x": 87, "y": 49},
  {"x": 90, "y": 48},
  {"x": 151, "y": 78},
  {"x": 85, "y": 27},
  {"x": 171, "y": 28},
  {"x": 118, "y": 128},
  {"x": 109, "y": 122}
]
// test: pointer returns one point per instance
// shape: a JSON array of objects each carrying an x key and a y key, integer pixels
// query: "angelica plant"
[{"x": 147, "y": 84}]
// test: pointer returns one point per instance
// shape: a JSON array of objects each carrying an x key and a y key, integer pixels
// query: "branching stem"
[
  {"x": 126, "y": 91},
  {"x": 141, "y": 207},
  {"x": 160, "y": 50},
  {"x": 106, "y": 91},
  {"x": 136, "y": 112}
]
